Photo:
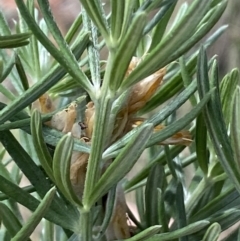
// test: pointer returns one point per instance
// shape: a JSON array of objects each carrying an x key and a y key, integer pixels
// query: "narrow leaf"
[
  {"x": 228, "y": 199},
  {"x": 180, "y": 208},
  {"x": 39, "y": 144},
  {"x": 181, "y": 123},
  {"x": 154, "y": 181},
  {"x": 12, "y": 44},
  {"x": 201, "y": 144},
  {"x": 123, "y": 163},
  {"x": 7, "y": 69},
  {"x": 159, "y": 23},
  {"x": 25, "y": 163},
  {"x": 71, "y": 67},
  {"x": 61, "y": 168},
  {"x": 109, "y": 210},
  {"x": 97, "y": 17},
  {"x": 33, "y": 93},
  {"x": 21, "y": 72},
  {"x": 9, "y": 220},
  {"x": 161, "y": 56},
  {"x": 73, "y": 29},
  {"x": 235, "y": 130},
  {"x": 144, "y": 235},
  {"x": 227, "y": 218},
  {"x": 34, "y": 173},
  {"x": 227, "y": 88},
  {"x": 212, "y": 233},
  {"x": 93, "y": 50},
  {"x": 69, "y": 60},
  {"x": 161, "y": 159},
  {"x": 7, "y": 93},
  {"x": 17, "y": 37},
  {"x": 126, "y": 50},
  {"x": 35, "y": 218},
  {"x": 140, "y": 203},
  {"x": 65, "y": 219},
  {"x": 214, "y": 120},
  {"x": 163, "y": 220},
  {"x": 117, "y": 18},
  {"x": 4, "y": 171},
  {"x": 190, "y": 229}
]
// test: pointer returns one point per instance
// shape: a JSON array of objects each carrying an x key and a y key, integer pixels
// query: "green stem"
[
  {"x": 86, "y": 226},
  {"x": 98, "y": 139},
  {"x": 103, "y": 104}
]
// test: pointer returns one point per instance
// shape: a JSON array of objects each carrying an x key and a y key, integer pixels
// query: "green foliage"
[{"x": 38, "y": 59}]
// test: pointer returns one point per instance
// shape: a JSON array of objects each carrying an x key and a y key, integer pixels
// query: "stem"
[
  {"x": 103, "y": 104},
  {"x": 94, "y": 170},
  {"x": 98, "y": 139},
  {"x": 86, "y": 226}
]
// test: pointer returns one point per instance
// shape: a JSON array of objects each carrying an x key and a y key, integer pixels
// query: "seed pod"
[
  {"x": 89, "y": 119},
  {"x": 64, "y": 120},
  {"x": 180, "y": 138},
  {"x": 118, "y": 227},
  {"x": 144, "y": 90},
  {"x": 78, "y": 171},
  {"x": 46, "y": 105}
]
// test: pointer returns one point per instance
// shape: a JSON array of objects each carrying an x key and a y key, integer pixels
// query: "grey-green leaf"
[
  {"x": 36, "y": 217},
  {"x": 234, "y": 127},
  {"x": 61, "y": 168},
  {"x": 190, "y": 229},
  {"x": 39, "y": 144},
  {"x": 123, "y": 162},
  {"x": 212, "y": 233},
  {"x": 146, "y": 234},
  {"x": 227, "y": 88},
  {"x": 213, "y": 117},
  {"x": 10, "y": 221}
]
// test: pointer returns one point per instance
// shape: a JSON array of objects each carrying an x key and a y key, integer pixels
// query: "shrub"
[{"x": 84, "y": 120}]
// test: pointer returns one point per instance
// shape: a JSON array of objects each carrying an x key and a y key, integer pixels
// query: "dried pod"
[
  {"x": 133, "y": 64},
  {"x": 46, "y": 105},
  {"x": 89, "y": 115},
  {"x": 76, "y": 131},
  {"x": 180, "y": 138},
  {"x": 78, "y": 171},
  {"x": 64, "y": 120},
  {"x": 118, "y": 227},
  {"x": 144, "y": 90},
  {"x": 138, "y": 97}
]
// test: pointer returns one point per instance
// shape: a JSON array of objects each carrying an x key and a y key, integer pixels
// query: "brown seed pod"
[
  {"x": 118, "y": 227},
  {"x": 64, "y": 120}
]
